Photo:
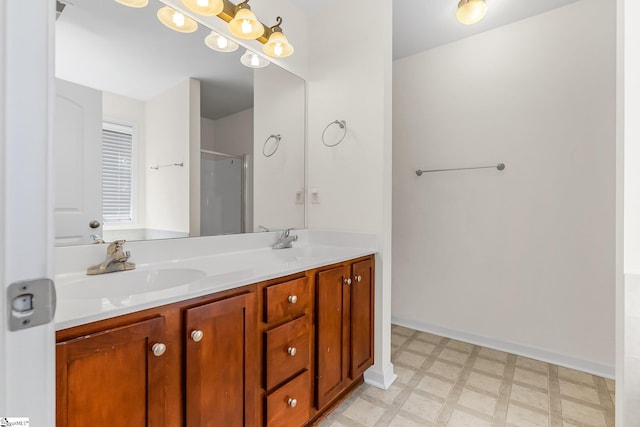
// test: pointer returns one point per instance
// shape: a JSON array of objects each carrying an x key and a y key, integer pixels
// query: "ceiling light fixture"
[
  {"x": 176, "y": 20},
  {"x": 204, "y": 7},
  {"x": 471, "y": 11},
  {"x": 277, "y": 46},
  {"x": 134, "y": 3},
  {"x": 220, "y": 43},
  {"x": 253, "y": 60},
  {"x": 244, "y": 24}
]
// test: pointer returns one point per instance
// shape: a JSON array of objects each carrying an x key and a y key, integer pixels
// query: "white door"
[
  {"x": 77, "y": 165},
  {"x": 27, "y": 357}
]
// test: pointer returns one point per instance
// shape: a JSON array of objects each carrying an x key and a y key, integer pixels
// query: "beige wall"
[{"x": 522, "y": 259}]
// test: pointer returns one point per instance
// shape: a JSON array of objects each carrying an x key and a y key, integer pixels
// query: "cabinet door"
[
  {"x": 332, "y": 334},
  {"x": 221, "y": 363},
  {"x": 112, "y": 378},
  {"x": 361, "y": 317}
]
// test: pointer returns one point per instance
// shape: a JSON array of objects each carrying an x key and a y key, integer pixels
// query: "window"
[{"x": 117, "y": 173}]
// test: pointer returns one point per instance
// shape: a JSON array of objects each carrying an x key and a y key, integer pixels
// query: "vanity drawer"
[
  {"x": 286, "y": 300},
  {"x": 288, "y": 406},
  {"x": 286, "y": 351}
]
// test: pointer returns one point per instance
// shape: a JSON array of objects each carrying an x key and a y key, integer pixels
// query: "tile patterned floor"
[{"x": 443, "y": 382}]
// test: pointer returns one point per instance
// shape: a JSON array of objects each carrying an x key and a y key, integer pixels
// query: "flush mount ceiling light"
[
  {"x": 471, "y": 11},
  {"x": 176, "y": 21},
  {"x": 244, "y": 24},
  {"x": 204, "y": 7},
  {"x": 253, "y": 60},
  {"x": 277, "y": 46},
  {"x": 134, "y": 3},
  {"x": 220, "y": 43}
]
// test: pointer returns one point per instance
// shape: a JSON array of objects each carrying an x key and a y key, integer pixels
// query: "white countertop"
[{"x": 83, "y": 299}]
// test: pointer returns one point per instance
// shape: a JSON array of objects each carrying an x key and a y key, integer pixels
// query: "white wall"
[
  {"x": 207, "y": 134},
  {"x": 628, "y": 348},
  {"x": 350, "y": 79},
  {"x": 233, "y": 134},
  {"x": 131, "y": 111},
  {"x": 631, "y": 146},
  {"x": 278, "y": 103},
  {"x": 522, "y": 259},
  {"x": 168, "y": 142}
]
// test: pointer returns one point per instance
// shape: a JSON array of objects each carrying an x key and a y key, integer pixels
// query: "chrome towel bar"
[{"x": 499, "y": 166}]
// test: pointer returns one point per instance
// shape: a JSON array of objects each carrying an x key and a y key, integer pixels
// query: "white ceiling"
[
  {"x": 419, "y": 25},
  {"x": 97, "y": 41}
]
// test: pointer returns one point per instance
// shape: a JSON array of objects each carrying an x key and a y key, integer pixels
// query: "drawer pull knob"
[
  {"x": 292, "y": 351},
  {"x": 358, "y": 278},
  {"x": 158, "y": 349},
  {"x": 197, "y": 335},
  {"x": 347, "y": 281},
  {"x": 292, "y": 299},
  {"x": 292, "y": 402}
]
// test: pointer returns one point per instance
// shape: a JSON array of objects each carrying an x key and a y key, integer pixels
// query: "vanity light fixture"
[
  {"x": 177, "y": 21},
  {"x": 204, "y": 7},
  {"x": 277, "y": 46},
  {"x": 134, "y": 3},
  {"x": 244, "y": 24},
  {"x": 220, "y": 43},
  {"x": 253, "y": 60},
  {"x": 471, "y": 11}
]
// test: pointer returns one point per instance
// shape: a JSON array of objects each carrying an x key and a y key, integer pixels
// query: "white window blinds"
[{"x": 117, "y": 173}]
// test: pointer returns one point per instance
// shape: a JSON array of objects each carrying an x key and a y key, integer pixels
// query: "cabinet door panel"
[
  {"x": 332, "y": 335},
  {"x": 361, "y": 317},
  {"x": 112, "y": 377},
  {"x": 221, "y": 380}
]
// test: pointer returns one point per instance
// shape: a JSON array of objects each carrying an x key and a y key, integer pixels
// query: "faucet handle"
[{"x": 115, "y": 246}]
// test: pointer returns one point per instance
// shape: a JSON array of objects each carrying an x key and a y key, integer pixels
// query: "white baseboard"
[
  {"x": 381, "y": 378},
  {"x": 600, "y": 369}
]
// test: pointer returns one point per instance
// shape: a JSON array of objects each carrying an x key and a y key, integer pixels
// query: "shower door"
[{"x": 223, "y": 193}]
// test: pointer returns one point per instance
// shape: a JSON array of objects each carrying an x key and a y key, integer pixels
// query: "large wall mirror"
[{"x": 159, "y": 136}]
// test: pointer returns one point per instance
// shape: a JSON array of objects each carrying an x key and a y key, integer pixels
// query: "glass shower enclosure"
[{"x": 223, "y": 193}]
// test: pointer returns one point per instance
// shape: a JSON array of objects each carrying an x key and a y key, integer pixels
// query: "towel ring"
[
  {"x": 342, "y": 124},
  {"x": 264, "y": 146}
]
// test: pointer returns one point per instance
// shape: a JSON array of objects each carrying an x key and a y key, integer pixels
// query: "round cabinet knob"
[
  {"x": 292, "y": 299},
  {"x": 197, "y": 335},
  {"x": 94, "y": 223},
  {"x": 158, "y": 349},
  {"x": 292, "y": 402},
  {"x": 358, "y": 278},
  {"x": 347, "y": 281},
  {"x": 292, "y": 351}
]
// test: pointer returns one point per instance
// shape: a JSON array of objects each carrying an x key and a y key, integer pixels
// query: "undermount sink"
[{"x": 127, "y": 283}]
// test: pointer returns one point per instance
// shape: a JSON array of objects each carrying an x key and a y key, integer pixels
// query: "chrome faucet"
[
  {"x": 116, "y": 260},
  {"x": 285, "y": 240}
]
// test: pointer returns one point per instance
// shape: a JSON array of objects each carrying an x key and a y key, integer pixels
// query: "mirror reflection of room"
[{"x": 155, "y": 133}]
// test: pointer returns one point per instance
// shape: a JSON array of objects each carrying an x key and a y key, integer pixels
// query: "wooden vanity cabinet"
[
  {"x": 344, "y": 327},
  {"x": 275, "y": 354}
]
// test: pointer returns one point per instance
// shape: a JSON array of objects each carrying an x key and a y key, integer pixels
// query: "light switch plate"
[
  {"x": 315, "y": 195},
  {"x": 30, "y": 303}
]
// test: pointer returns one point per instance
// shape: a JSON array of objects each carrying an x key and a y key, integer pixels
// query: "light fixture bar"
[{"x": 229, "y": 12}]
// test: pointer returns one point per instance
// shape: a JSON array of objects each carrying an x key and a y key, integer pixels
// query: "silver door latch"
[{"x": 31, "y": 303}]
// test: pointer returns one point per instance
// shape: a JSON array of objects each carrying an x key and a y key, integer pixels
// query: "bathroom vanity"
[{"x": 273, "y": 341}]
